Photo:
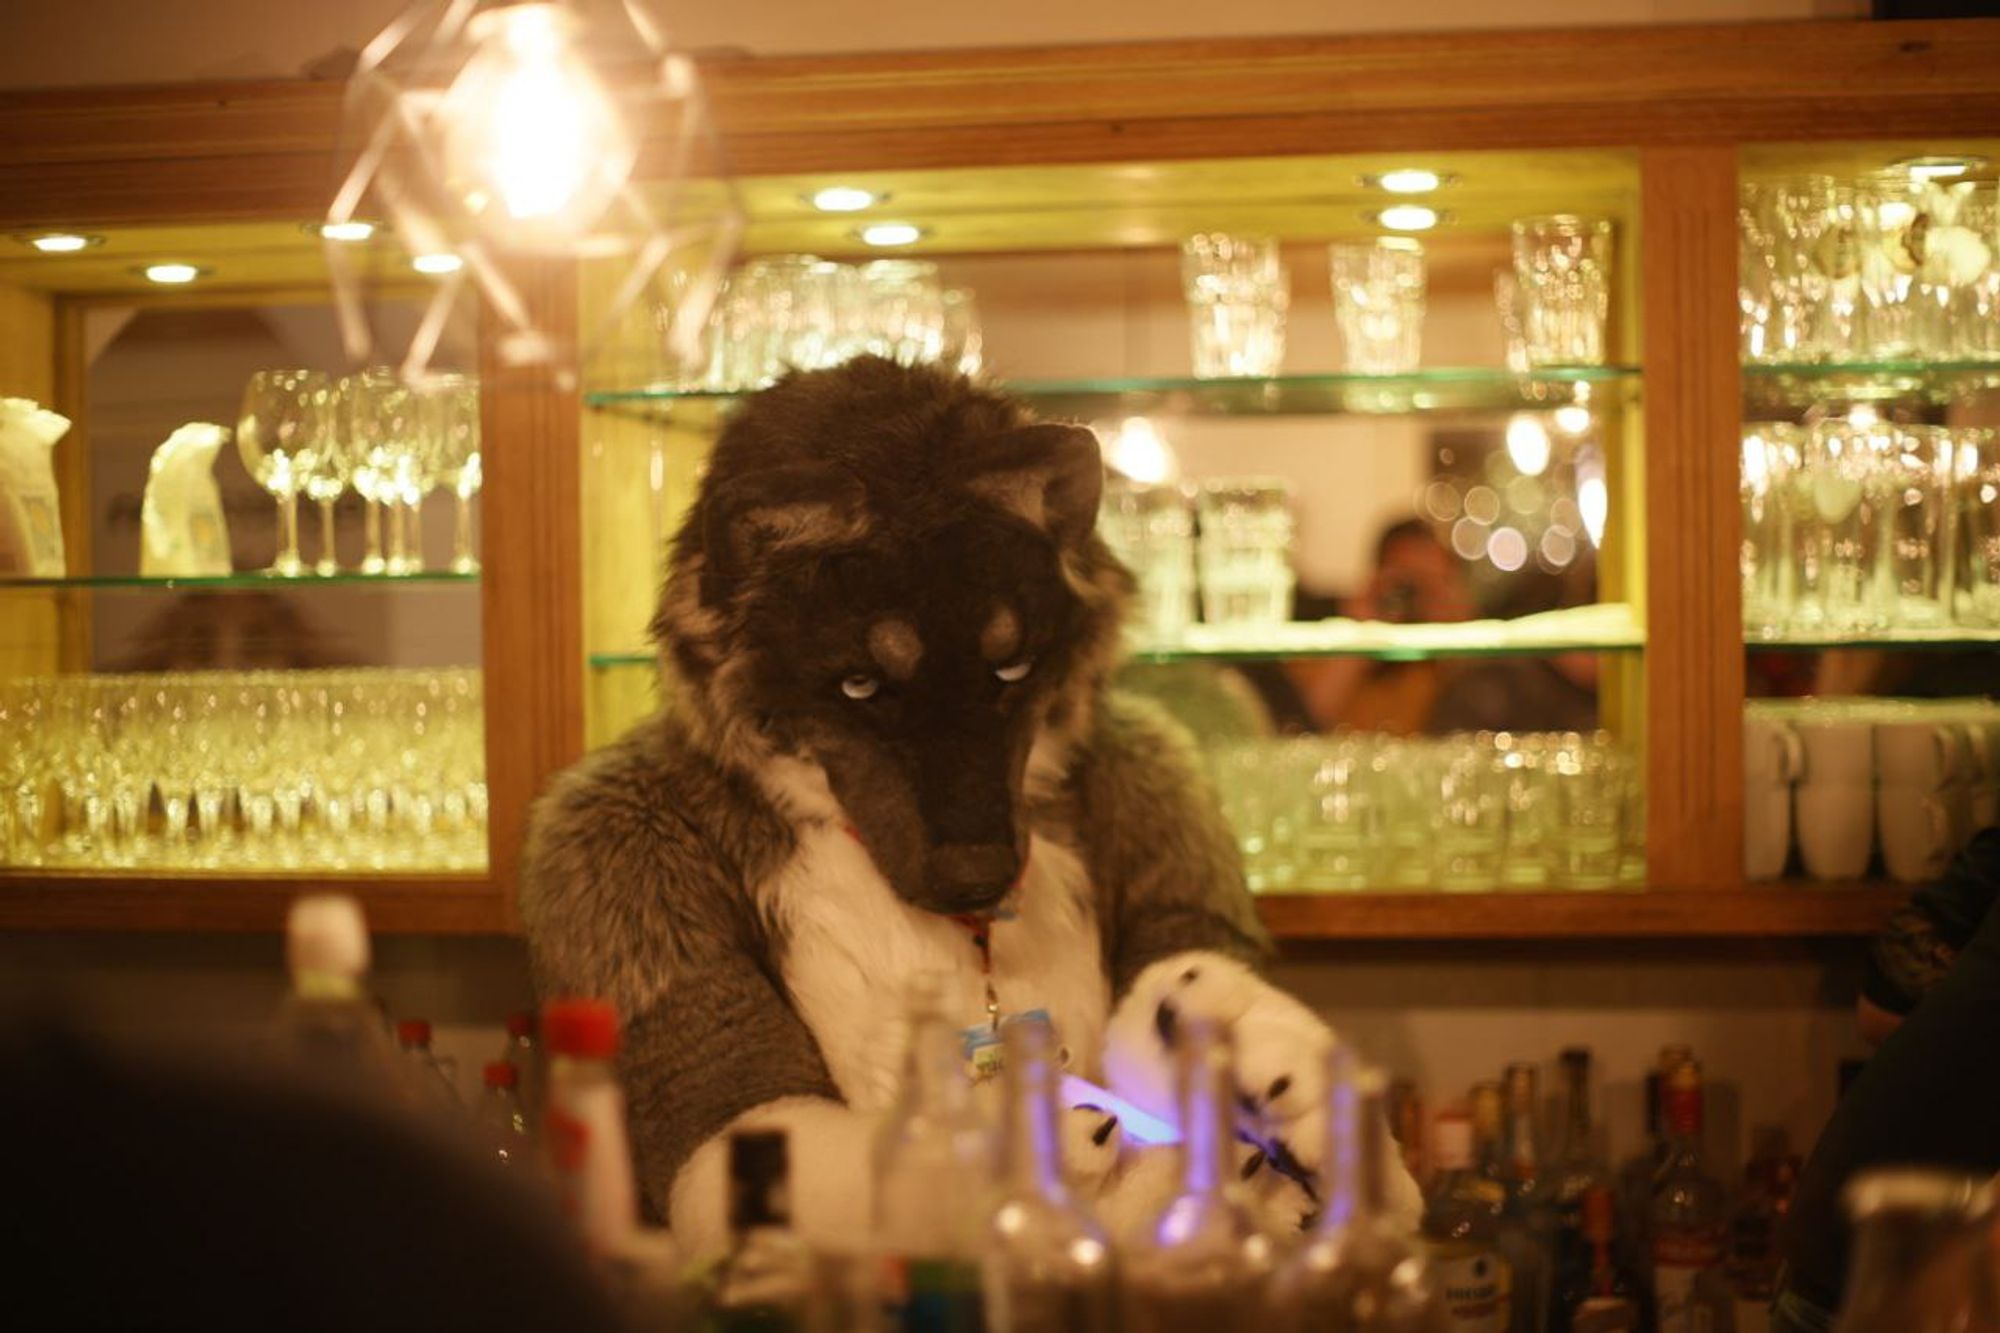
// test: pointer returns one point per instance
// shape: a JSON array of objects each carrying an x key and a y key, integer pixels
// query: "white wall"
[{"x": 48, "y": 43}]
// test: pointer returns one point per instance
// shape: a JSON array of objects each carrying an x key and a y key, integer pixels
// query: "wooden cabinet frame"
[{"x": 1685, "y": 98}]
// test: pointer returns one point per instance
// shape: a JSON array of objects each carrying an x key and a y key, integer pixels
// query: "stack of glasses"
[
  {"x": 801, "y": 312},
  {"x": 1463, "y": 812},
  {"x": 1243, "y": 551},
  {"x": 297, "y": 770},
  {"x": 1891, "y": 267},
  {"x": 1857, "y": 526}
]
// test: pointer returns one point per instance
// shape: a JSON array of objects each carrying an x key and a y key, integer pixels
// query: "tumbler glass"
[
  {"x": 1341, "y": 841},
  {"x": 1469, "y": 818},
  {"x": 963, "y": 342},
  {"x": 1587, "y": 834},
  {"x": 1245, "y": 552},
  {"x": 1523, "y": 761},
  {"x": 1238, "y": 291},
  {"x": 1888, "y": 206},
  {"x": 905, "y": 309},
  {"x": 1771, "y": 456},
  {"x": 1151, "y": 529},
  {"x": 1838, "y": 496},
  {"x": 1378, "y": 302},
  {"x": 1976, "y": 539},
  {"x": 1913, "y": 583},
  {"x": 1563, "y": 266}
]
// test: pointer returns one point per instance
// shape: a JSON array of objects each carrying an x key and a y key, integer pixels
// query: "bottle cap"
[
  {"x": 500, "y": 1074},
  {"x": 325, "y": 932},
  {"x": 1451, "y": 1141},
  {"x": 521, "y": 1024},
  {"x": 581, "y": 1029},
  {"x": 413, "y": 1032},
  {"x": 1680, "y": 1099}
]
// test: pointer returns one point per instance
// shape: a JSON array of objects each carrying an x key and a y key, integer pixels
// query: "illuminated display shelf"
[
  {"x": 258, "y": 579},
  {"x": 1439, "y": 389},
  {"x": 1778, "y": 386},
  {"x": 1951, "y": 639}
]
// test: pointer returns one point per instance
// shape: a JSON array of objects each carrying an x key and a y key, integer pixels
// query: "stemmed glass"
[
  {"x": 451, "y": 429},
  {"x": 286, "y": 417},
  {"x": 326, "y": 472},
  {"x": 385, "y": 430}
]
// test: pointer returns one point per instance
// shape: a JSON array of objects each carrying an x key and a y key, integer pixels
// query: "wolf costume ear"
[
  {"x": 775, "y": 509},
  {"x": 1050, "y": 474}
]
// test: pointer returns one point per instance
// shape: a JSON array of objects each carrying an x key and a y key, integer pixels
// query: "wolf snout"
[{"x": 973, "y": 875}]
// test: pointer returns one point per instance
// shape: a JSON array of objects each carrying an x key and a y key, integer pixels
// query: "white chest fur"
[{"x": 851, "y": 944}]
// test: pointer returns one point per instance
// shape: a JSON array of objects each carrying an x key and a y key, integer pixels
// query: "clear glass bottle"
[
  {"x": 328, "y": 1019},
  {"x": 1756, "y": 1224},
  {"x": 583, "y": 1131},
  {"x": 764, "y": 1284},
  {"x": 933, "y": 1177},
  {"x": 1356, "y": 1273},
  {"x": 430, "y": 1082},
  {"x": 1686, "y": 1218},
  {"x": 1637, "y": 1173},
  {"x": 1923, "y": 1258},
  {"x": 1487, "y": 1103},
  {"x": 1047, "y": 1262},
  {"x": 1601, "y": 1298},
  {"x": 503, "y": 1122},
  {"x": 1461, "y": 1233},
  {"x": 1201, "y": 1262},
  {"x": 1576, "y": 1171},
  {"x": 1527, "y": 1230}
]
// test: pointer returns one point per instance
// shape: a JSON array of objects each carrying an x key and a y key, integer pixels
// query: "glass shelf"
[
  {"x": 1954, "y": 638},
  {"x": 1607, "y": 628},
  {"x": 1780, "y": 385},
  {"x": 241, "y": 579},
  {"x": 1443, "y": 389}
]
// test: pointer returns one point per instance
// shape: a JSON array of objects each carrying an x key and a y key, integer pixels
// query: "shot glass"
[
  {"x": 1245, "y": 552},
  {"x": 1378, "y": 303},
  {"x": 1238, "y": 292},
  {"x": 1562, "y": 264}
]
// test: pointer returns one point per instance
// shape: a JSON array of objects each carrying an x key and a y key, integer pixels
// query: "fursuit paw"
[{"x": 1092, "y": 1140}]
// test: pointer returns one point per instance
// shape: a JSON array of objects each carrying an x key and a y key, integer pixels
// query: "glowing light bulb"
[
  {"x": 171, "y": 275},
  {"x": 1528, "y": 444},
  {"x": 1138, "y": 451},
  {"x": 1409, "y": 180},
  {"x": 1408, "y": 217},
  {"x": 886, "y": 234},
  {"x": 843, "y": 199},
  {"x": 1593, "y": 501},
  {"x": 437, "y": 265},
  {"x": 62, "y": 242},
  {"x": 346, "y": 231},
  {"x": 1572, "y": 418},
  {"x": 533, "y": 146}
]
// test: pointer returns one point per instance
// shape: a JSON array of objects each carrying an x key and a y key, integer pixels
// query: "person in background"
[
  {"x": 1553, "y": 693},
  {"x": 1931, "y": 1094},
  {"x": 1416, "y": 580}
]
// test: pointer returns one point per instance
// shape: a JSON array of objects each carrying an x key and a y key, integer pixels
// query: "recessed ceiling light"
[
  {"x": 172, "y": 275},
  {"x": 63, "y": 242},
  {"x": 1940, "y": 168},
  {"x": 1406, "y": 180},
  {"x": 1408, "y": 217},
  {"x": 437, "y": 265},
  {"x": 844, "y": 199},
  {"x": 888, "y": 234},
  {"x": 355, "y": 230}
]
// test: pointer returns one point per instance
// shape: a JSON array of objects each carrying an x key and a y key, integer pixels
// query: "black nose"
[{"x": 973, "y": 871}]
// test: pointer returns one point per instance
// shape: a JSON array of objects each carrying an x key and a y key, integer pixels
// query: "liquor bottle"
[
  {"x": 1200, "y": 1263},
  {"x": 1770, "y": 1179},
  {"x": 584, "y": 1128},
  {"x": 328, "y": 1020},
  {"x": 1601, "y": 1299},
  {"x": 1527, "y": 1230},
  {"x": 1923, "y": 1253},
  {"x": 933, "y": 1177},
  {"x": 1685, "y": 1220},
  {"x": 1356, "y": 1273},
  {"x": 502, "y": 1121},
  {"x": 1576, "y": 1171},
  {"x": 1461, "y": 1233},
  {"x": 764, "y": 1284},
  {"x": 1047, "y": 1262},
  {"x": 1637, "y": 1174},
  {"x": 429, "y": 1082},
  {"x": 524, "y": 1052},
  {"x": 1406, "y": 1123},
  {"x": 1487, "y": 1103}
]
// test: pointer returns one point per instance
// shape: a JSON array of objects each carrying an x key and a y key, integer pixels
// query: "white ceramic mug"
[
  {"x": 1772, "y": 757},
  {"x": 1918, "y": 832},
  {"x": 1835, "y": 800},
  {"x": 1923, "y": 753}
]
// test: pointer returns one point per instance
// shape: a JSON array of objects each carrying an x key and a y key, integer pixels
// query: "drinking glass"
[
  {"x": 1151, "y": 530},
  {"x": 1563, "y": 266},
  {"x": 1469, "y": 818},
  {"x": 906, "y": 309},
  {"x": 963, "y": 341},
  {"x": 1341, "y": 842},
  {"x": 1238, "y": 292},
  {"x": 1839, "y": 495},
  {"x": 1378, "y": 302},
  {"x": 286, "y": 417},
  {"x": 383, "y": 420},
  {"x": 1523, "y": 761},
  {"x": 1771, "y": 460},
  {"x": 1914, "y": 580},
  {"x": 1976, "y": 315},
  {"x": 1976, "y": 545},
  {"x": 1586, "y": 843},
  {"x": 452, "y": 429},
  {"x": 1890, "y": 245},
  {"x": 1245, "y": 551},
  {"x": 325, "y": 472},
  {"x": 1507, "y": 305}
]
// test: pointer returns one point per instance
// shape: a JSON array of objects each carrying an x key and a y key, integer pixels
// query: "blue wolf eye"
[
  {"x": 860, "y": 687},
  {"x": 1015, "y": 671}
]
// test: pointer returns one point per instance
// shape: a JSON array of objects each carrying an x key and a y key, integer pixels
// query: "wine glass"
[
  {"x": 385, "y": 430},
  {"x": 452, "y": 432},
  {"x": 326, "y": 472},
  {"x": 286, "y": 415}
]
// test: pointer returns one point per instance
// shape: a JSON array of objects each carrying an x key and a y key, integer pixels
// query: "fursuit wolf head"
[{"x": 893, "y": 572}]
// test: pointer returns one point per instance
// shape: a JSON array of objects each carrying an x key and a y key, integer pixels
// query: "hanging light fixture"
[{"x": 497, "y": 131}]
